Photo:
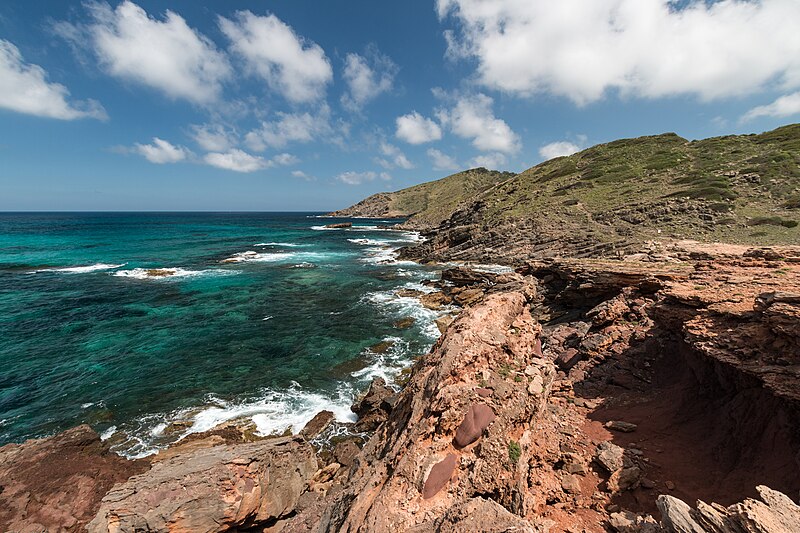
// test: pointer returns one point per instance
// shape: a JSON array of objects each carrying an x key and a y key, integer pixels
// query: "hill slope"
[
  {"x": 429, "y": 204},
  {"x": 611, "y": 199}
]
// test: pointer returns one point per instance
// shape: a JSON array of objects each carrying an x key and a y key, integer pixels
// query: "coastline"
[{"x": 568, "y": 354}]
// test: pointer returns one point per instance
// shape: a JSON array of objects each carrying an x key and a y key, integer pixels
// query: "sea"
[{"x": 153, "y": 326}]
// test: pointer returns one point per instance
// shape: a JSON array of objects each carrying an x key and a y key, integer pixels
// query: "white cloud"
[
  {"x": 236, "y": 160},
  {"x": 285, "y": 159},
  {"x": 296, "y": 68},
  {"x": 367, "y": 77},
  {"x": 441, "y": 161},
  {"x": 785, "y": 106},
  {"x": 24, "y": 88},
  {"x": 213, "y": 137},
  {"x": 357, "y": 178},
  {"x": 558, "y": 149},
  {"x": 493, "y": 160},
  {"x": 580, "y": 49},
  {"x": 396, "y": 157},
  {"x": 288, "y": 128},
  {"x": 472, "y": 118},
  {"x": 416, "y": 129},
  {"x": 161, "y": 151},
  {"x": 302, "y": 175},
  {"x": 166, "y": 55}
]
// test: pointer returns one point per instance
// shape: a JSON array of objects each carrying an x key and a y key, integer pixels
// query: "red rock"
[
  {"x": 483, "y": 392},
  {"x": 568, "y": 359},
  {"x": 475, "y": 421},
  {"x": 439, "y": 475}
]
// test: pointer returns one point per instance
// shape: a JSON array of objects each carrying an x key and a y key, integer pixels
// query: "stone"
[
  {"x": 619, "y": 425},
  {"x": 568, "y": 358},
  {"x": 536, "y": 386},
  {"x": 484, "y": 392},
  {"x": 215, "y": 489},
  {"x": 435, "y": 300},
  {"x": 469, "y": 297},
  {"x": 475, "y": 421},
  {"x": 373, "y": 408},
  {"x": 339, "y": 225},
  {"x": 443, "y": 322},
  {"x": 318, "y": 424},
  {"x": 571, "y": 484},
  {"x": 677, "y": 515},
  {"x": 345, "y": 452},
  {"x": 404, "y": 323},
  {"x": 610, "y": 457},
  {"x": 439, "y": 475}
]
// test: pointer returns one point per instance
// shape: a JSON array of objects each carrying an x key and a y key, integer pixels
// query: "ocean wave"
[
  {"x": 284, "y": 244},
  {"x": 82, "y": 269},
  {"x": 250, "y": 255},
  {"x": 408, "y": 306},
  {"x": 274, "y": 412},
  {"x": 388, "y": 363},
  {"x": 169, "y": 273}
]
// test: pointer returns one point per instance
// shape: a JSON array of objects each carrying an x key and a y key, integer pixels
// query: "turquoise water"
[{"x": 133, "y": 322}]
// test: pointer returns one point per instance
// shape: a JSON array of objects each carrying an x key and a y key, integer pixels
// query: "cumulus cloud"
[
  {"x": 213, "y": 137},
  {"x": 416, "y": 129},
  {"x": 785, "y": 106},
  {"x": 394, "y": 157},
  {"x": 441, "y": 161},
  {"x": 236, "y": 160},
  {"x": 166, "y": 55},
  {"x": 357, "y": 178},
  {"x": 285, "y": 159},
  {"x": 24, "y": 88},
  {"x": 492, "y": 160},
  {"x": 367, "y": 77},
  {"x": 472, "y": 118},
  {"x": 161, "y": 151},
  {"x": 296, "y": 68},
  {"x": 558, "y": 149},
  {"x": 580, "y": 49},
  {"x": 289, "y": 128}
]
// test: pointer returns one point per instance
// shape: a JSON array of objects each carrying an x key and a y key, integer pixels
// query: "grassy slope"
[
  {"x": 432, "y": 202},
  {"x": 736, "y": 188}
]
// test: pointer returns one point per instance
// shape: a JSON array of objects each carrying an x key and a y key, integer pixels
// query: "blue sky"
[{"x": 309, "y": 105}]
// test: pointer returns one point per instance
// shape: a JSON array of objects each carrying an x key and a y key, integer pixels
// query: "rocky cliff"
[{"x": 571, "y": 395}]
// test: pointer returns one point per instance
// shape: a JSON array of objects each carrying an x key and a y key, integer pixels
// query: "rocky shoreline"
[{"x": 570, "y": 395}]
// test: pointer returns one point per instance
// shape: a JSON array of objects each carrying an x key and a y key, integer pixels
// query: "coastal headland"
[{"x": 634, "y": 368}]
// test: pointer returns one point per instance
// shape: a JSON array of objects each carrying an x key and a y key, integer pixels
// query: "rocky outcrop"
[
  {"x": 222, "y": 488},
  {"x": 446, "y": 445},
  {"x": 56, "y": 484}
]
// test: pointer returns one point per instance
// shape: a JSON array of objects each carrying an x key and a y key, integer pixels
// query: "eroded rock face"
[
  {"x": 56, "y": 484},
  {"x": 773, "y": 513},
  {"x": 490, "y": 347},
  {"x": 211, "y": 489}
]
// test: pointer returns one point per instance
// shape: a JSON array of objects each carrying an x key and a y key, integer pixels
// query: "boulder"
[
  {"x": 610, "y": 456},
  {"x": 439, "y": 475},
  {"x": 318, "y": 424},
  {"x": 339, "y": 225},
  {"x": 374, "y": 407},
  {"x": 211, "y": 490},
  {"x": 619, "y": 425},
  {"x": 475, "y": 421}
]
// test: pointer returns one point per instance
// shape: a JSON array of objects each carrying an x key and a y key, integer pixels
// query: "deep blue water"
[{"x": 133, "y": 322}]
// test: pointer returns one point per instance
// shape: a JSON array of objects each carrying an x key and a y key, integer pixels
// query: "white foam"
[
  {"x": 105, "y": 435},
  {"x": 83, "y": 269},
  {"x": 277, "y": 411},
  {"x": 250, "y": 255},
  {"x": 285, "y": 244},
  {"x": 405, "y": 306},
  {"x": 168, "y": 273},
  {"x": 86, "y": 405},
  {"x": 267, "y": 318},
  {"x": 386, "y": 365}
]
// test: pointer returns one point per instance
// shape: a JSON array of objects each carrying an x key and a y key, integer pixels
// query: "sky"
[{"x": 301, "y": 105}]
